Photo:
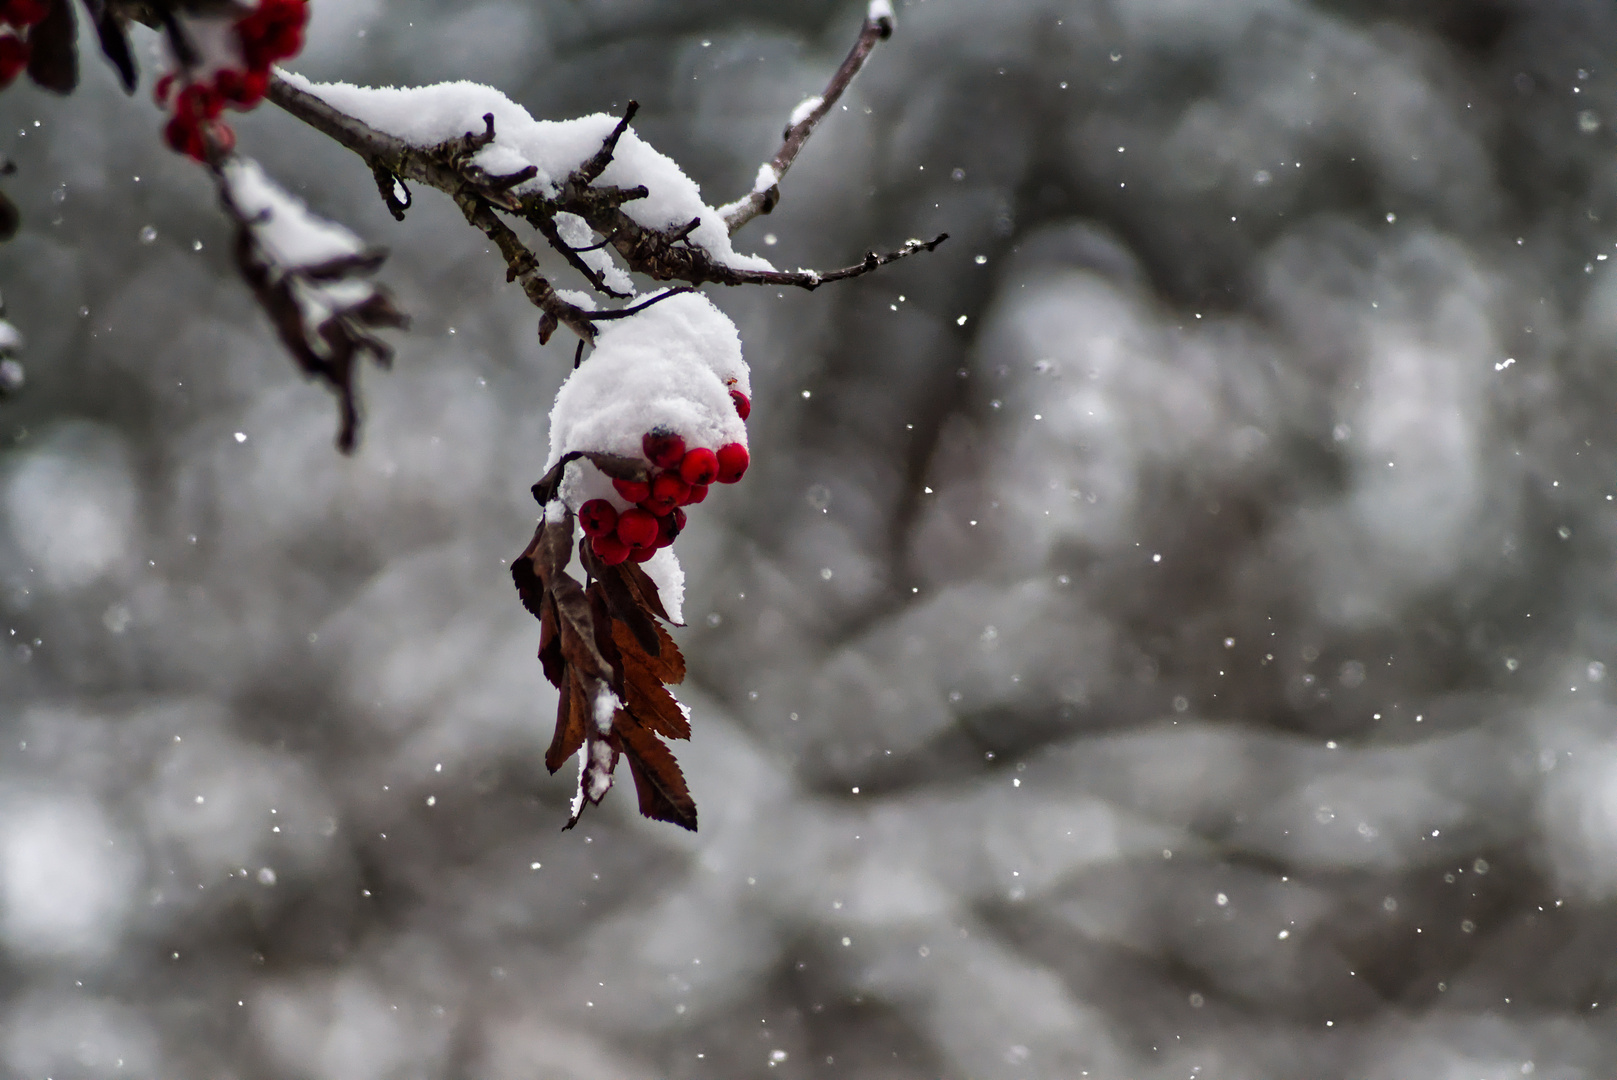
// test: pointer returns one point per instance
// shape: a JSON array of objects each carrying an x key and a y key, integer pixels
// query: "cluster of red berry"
[
  {"x": 271, "y": 32},
  {"x": 680, "y": 478},
  {"x": 16, "y": 17}
]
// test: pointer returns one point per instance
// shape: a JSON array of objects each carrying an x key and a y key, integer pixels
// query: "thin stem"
[
  {"x": 813, "y": 279},
  {"x": 624, "y": 313},
  {"x": 523, "y": 267},
  {"x": 761, "y": 200}
]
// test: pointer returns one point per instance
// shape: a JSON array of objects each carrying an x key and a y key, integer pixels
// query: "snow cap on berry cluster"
[
  {"x": 427, "y": 116},
  {"x": 671, "y": 366}
]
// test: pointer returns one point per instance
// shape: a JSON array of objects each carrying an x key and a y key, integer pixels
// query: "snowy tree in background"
[{"x": 637, "y": 434}]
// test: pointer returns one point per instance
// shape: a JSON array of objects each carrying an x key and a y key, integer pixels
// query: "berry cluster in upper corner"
[
  {"x": 233, "y": 71},
  {"x": 17, "y": 17},
  {"x": 679, "y": 477}
]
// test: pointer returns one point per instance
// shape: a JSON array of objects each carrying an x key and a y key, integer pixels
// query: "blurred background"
[{"x": 1163, "y": 634}]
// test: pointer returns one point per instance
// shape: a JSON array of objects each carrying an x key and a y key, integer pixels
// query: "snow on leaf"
[{"x": 666, "y": 581}]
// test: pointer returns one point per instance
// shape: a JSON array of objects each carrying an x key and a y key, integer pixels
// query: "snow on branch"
[
  {"x": 309, "y": 275},
  {"x": 570, "y": 180},
  {"x": 765, "y": 193}
]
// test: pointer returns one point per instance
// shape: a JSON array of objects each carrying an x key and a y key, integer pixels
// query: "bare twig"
[
  {"x": 624, "y": 313},
  {"x": 389, "y": 188},
  {"x": 591, "y": 170},
  {"x": 685, "y": 230},
  {"x": 764, "y": 196},
  {"x": 522, "y": 267},
  {"x": 813, "y": 279},
  {"x": 546, "y": 225}
]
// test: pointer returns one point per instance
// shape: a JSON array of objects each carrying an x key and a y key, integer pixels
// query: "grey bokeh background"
[{"x": 1162, "y": 633}]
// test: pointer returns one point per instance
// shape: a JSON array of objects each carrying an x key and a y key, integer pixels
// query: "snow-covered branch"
[
  {"x": 309, "y": 275},
  {"x": 570, "y": 180}
]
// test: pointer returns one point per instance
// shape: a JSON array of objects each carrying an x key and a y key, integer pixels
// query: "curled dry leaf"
[{"x": 605, "y": 650}]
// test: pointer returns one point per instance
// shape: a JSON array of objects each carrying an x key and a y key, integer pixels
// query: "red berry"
[
  {"x": 27, "y": 12},
  {"x": 743, "y": 404},
  {"x": 184, "y": 136},
  {"x": 160, "y": 91},
  {"x": 668, "y": 528},
  {"x": 733, "y": 460},
  {"x": 699, "y": 467},
  {"x": 641, "y": 554},
  {"x": 598, "y": 517},
  {"x": 13, "y": 58},
  {"x": 254, "y": 85},
  {"x": 243, "y": 88},
  {"x": 698, "y": 493},
  {"x": 633, "y": 491},
  {"x": 637, "y": 528},
  {"x": 609, "y": 549},
  {"x": 667, "y": 492},
  {"x": 224, "y": 136},
  {"x": 285, "y": 41},
  {"x": 197, "y": 100},
  {"x": 663, "y": 447},
  {"x": 271, "y": 32}
]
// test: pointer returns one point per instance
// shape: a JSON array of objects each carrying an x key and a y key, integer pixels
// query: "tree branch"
[
  {"x": 522, "y": 267},
  {"x": 813, "y": 279},
  {"x": 765, "y": 194},
  {"x": 444, "y": 168},
  {"x": 661, "y": 254}
]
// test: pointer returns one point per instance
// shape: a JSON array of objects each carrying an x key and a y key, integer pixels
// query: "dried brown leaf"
[
  {"x": 657, "y": 777},
  {"x": 601, "y": 640},
  {"x": 572, "y": 725},
  {"x": 644, "y": 695},
  {"x": 622, "y": 601},
  {"x": 646, "y": 591},
  {"x": 552, "y": 549},
  {"x": 526, "y": 576},
  {"x": 577, "y": 630},
  {"x": 110, "y": 28},
  {"x": 550, "y": 656}
]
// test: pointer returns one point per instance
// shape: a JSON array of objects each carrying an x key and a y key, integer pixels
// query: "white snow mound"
[
  {"x": 428, "y": 115},
  {"x": 672, "y": 365}
]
